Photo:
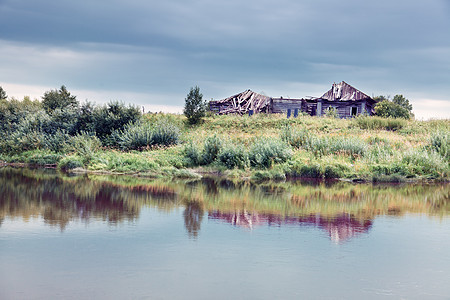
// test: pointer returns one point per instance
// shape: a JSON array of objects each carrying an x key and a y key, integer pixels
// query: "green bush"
[
  {"x": 85, "y": 145},
  {"x": 232, "y": 156},
  {"x": 70, "y": 162},
  {"x": 427, "y": 163},
  {"x": 165, "y": 133},
  {"x": 265, "y": 152},
  {"x": 211, "y": 149},
  {"x": 296, "y": 139},
  {"x": 331, "y": 112},
  {"x": 440, "y": 142},
  {"x": 142, "y": 135},
  {"x": 379, "y": 123},
  {"x": 192, "y": 154},
  {"x": 42, "y": 158}
]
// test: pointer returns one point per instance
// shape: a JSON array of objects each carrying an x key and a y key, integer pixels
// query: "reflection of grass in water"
[{"x": 59, "y": 199}]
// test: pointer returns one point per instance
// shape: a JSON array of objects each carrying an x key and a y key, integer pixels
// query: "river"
[{"x": 124, "y": 237}]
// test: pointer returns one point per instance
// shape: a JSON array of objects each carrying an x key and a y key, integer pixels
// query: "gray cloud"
[{"x": 159, "y": 47}]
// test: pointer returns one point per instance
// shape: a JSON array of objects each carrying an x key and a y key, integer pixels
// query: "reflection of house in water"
[{"x": 340, "y": 228}]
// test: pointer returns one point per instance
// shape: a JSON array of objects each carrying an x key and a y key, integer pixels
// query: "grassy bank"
[{"x": 260, "y": 147}]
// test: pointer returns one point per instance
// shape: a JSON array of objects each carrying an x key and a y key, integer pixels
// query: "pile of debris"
[{"x": 241, "y": 104}]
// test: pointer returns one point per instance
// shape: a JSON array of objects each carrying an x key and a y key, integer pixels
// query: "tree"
[
  {"x": 388, "y": 109},
  {"x": 402, "y": 101},
  {"x": 61, "y": 99},
  {"x": 194, "y": 107},
  {"x": 2, "y": 94}
]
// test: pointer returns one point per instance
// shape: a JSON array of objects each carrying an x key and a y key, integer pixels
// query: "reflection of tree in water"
[
  {"x": 340, "y": 228},
  {"x": 343, "y": 210},
  {"x": 193, "y": 216},
  {"x": 60, "y": 201}
]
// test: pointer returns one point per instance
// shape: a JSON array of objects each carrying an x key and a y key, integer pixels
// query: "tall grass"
[
  {"x": 378, "y": 123},
  {"x": 266, "y": 152},
  {"x": 142, "y": 135},
  {"x": 320, "y": 146}
]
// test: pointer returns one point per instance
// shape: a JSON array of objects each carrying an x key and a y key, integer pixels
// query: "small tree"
[
  {"x": 59, "y": 99},
  {"x": 194, "y": 107},
  {"x": 388, "y": 109},
  {"x": 402, "y": 101},
  {"x": 399, "y": 107},
  {"x": 2, "y": 94}
]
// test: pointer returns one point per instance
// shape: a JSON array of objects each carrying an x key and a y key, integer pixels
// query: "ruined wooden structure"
[
  {"x": 241, "y": 103},
  {"x": 347, "y": 100}
]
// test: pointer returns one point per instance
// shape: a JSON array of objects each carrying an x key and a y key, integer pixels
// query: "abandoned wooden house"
[{"x": 347, "y": 100}]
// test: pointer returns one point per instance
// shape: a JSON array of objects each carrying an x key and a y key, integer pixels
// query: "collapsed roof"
[
  {"x": 241, "y": 103},
  {"x": 344, "y": 92}
]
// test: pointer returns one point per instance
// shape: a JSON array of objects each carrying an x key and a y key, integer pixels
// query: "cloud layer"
[{"x": 284, "y": 47}]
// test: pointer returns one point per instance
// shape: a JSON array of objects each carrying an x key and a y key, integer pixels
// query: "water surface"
[{"x": 104, "y": 237}]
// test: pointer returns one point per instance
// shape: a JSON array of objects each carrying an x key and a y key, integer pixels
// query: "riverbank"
[{"x": 271, "y": 147}]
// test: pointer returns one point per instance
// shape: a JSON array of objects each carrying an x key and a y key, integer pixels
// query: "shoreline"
[{"x": 198, "y": 173}]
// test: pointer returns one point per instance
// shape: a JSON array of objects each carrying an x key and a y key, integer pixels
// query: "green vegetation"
[
  {"x": 399, "y": 107},
  {"x": 117, "y": 138},
  {"x": 194, "y": 107}
]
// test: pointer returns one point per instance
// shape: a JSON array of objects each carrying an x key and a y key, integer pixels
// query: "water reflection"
[
  {"x": 339, "y": 228},
  {"x": 342, "y": 210}
]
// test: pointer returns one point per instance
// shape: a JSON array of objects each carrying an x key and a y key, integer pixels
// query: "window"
[{"x": 354, "y": 111}]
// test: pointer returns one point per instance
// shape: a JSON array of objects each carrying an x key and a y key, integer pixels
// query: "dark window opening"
[{"x": 354, "y": 111}]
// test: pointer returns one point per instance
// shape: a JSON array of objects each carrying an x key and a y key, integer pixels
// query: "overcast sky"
[{"x": 150, "y": 53}]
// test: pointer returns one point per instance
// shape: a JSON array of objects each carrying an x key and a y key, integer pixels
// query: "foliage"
[
  {"x": 332, "y": 112},
  {"x": 211, "y": 149},
  {"x": 266, "y": 152},
  {"x": 440, "y": 142},
  {"x": 70, "y": 162},
  {"x": 85, "y": 145},
  {"x": 3, "y": 94},
  {"x": 232, "y": 156},
  {"x": 111, "y": 117},
  {"x": 378, "y": 123},
  {"x": 142, "y": 135},
  {"x": 194, "y": 107},
  {"x": 192, "y": 154},
  {"x": 403, "y": 102},
  {"x": 388, "y": 109},
  {"x": 59, "y": 99}
]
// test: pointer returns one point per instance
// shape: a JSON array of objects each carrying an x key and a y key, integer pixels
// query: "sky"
[{"x": 150, "y": 53}]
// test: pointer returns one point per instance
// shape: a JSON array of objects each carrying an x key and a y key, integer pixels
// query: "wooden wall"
[{"x": 344, "y": 108}]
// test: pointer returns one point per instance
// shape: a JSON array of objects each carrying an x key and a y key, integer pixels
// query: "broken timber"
[{"x": 241, "y": 104}]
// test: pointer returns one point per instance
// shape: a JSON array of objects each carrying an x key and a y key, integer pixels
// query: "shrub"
[
  {"x": 70, "y": 162},
  {"x": 211, "y": 149},
  {"x": 266, "y": 152},
  {"x": 440, "y": 142},
  {"x": 56, "y": 142},
  {"x": 331, "y": 112},
  {"x": 141, "y": 135},
  {"x": 428, "y": 163},
  {"x": 111, "y": 117},
  {"x": 42, "y": 158},
  {"x": 134, "y": 136},
  {"x": 378, "y": 123},
  {"x": 297, "y": 138},
  {"x": 388, "y": 109},
  {"x": 84, "y": 144},
  {"x": 165, "y": 133},
  {"x": 232, "y": 156},
  {"x": 192, "y": 154},
  {"x": 312, "y": 170}
]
